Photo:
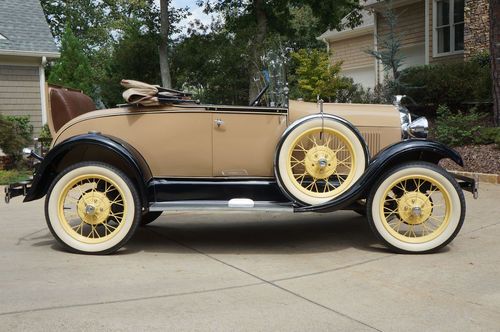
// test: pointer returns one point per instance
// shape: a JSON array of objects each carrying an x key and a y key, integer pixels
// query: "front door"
[{"x": 244, "y": 142}]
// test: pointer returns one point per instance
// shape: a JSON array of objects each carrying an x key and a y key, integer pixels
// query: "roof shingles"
[{"x": 23, "y": 25}]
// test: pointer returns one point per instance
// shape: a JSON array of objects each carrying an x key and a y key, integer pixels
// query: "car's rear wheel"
[
  {"x": 319, "y": 160},
  {"x": 416, "y": 208},
  {"x": 92, "y": 208}
]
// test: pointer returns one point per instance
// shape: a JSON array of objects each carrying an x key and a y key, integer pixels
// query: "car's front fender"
[
  {"x": 401, "y": 152},
  {"x": 105, "y": 148}
]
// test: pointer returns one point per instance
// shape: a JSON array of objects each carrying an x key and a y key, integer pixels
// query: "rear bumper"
[
  {"x": 468, "y": 184},
  {"x": 16, "y": 189}
]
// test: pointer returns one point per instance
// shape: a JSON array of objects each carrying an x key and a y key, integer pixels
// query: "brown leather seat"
[{"x": 66, "y": 104}]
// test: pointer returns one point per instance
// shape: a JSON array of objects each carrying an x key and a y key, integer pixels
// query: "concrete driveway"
[{"x": 251, "y": 272}]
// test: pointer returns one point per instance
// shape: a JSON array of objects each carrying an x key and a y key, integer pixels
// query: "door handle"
[{"x": 219, "y": 123}]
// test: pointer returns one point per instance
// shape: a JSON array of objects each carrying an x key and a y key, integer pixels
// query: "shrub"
[
  {"x": 45, "y": 138},
  {"x": 482, "y": 58},
  {"x": 458, "y": 85},
  {"x": 23, "y": 126},
  {"x": 488, "y": 135},
  {"x": 15, "y": 134},
  {"x": 458, "y": 128}
]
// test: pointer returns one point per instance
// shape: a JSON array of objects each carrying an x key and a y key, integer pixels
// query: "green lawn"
[{"x": 12, "y": 176}]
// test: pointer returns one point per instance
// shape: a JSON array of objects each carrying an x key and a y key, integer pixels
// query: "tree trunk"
[
  {"x": 260, "y": 36},
  {"x": 495, "y": 57},
  {"x": 166, "y": 79}
]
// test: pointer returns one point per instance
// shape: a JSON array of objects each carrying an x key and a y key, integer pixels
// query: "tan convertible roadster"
[{"x": 109, "y": 171}]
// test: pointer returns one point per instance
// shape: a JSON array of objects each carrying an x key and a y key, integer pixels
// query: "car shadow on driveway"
[
  {"x": 246, "y": 234},
  {"x": 258, "y": 234}
]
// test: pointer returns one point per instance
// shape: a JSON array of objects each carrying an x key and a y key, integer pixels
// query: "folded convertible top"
[{"x": 140, "y": 93}]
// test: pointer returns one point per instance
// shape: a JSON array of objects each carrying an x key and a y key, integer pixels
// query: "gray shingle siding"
[
  {"x": 23, "y": 23},
  {"x": 20, "y": 93}
]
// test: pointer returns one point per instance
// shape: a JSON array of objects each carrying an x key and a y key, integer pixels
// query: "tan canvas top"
[{"x": 150, "y": 95}]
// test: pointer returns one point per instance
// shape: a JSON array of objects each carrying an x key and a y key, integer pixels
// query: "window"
[{"x": 449, "y": 26}]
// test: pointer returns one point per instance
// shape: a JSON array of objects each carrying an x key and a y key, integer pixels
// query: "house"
[
  {"x": 431, "y": 31},
  {"x": 25, "y": 46}
]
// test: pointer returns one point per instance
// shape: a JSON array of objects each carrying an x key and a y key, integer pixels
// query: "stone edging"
[{"x": 483, "y": 177}]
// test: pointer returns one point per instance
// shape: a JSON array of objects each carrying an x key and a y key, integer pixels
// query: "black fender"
[
  {"x": 131, "y": 162},
  {"x": 300, "y": 121},
  {"x": 401, "y": 152}
]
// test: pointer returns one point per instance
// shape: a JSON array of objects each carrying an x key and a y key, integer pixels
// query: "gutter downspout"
[
  {"x": 327, "y": 45},
  {"x": 43, "y": 97}
]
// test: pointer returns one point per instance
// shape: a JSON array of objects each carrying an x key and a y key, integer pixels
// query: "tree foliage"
[
  {"x": 317, "y": 77},
  {"x": 134, "y": 56},
  {"x": 97, "y": 23},
  {"x": 73, "y": 69},
  {"x": 212, "y": 66},
  {"x": 120, "y": 39},
  {"x": 259, "y": 19}
]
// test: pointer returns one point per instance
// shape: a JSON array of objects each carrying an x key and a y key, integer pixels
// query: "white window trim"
[
  {"x": 2, "y": 37},
  {"x": 435, "y": 53},
  {"x": 427, "y": 32}
]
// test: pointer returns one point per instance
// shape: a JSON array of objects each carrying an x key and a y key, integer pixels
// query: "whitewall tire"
[
  {"x": 92, "y": 208},
  {"x": 416, "y": 208},
  {"x": 319, "y": 160}
]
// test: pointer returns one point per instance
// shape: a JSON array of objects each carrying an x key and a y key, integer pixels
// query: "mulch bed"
[{"x": 477, "y": 159}]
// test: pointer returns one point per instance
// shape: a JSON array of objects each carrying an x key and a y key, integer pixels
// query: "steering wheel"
[{"x": 257, "y": 99}]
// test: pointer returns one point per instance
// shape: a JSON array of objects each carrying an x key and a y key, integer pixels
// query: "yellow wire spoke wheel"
[
  {"x": 92, "y": 207},
  {"x": 417, "y": 207},
  {"x": 423, "y": 209},
  {"x": 319, "y": 160}
]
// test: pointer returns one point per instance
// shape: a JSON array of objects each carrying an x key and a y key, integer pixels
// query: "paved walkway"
[{"x": 251, "y": 272}]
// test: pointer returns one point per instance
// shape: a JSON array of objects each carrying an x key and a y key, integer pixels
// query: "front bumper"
[{"x": 17, "y": 189}]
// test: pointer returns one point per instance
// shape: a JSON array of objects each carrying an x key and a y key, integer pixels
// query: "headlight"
[
  {"x": 405, "y": 117},
  {"x": 411, "y": 129},
  {"x": 419, "y": 128}
]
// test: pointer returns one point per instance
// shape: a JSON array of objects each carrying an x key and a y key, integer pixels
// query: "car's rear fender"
[
  {"x": 401, "y": 152},
  {"x": 90, "y": 147}
]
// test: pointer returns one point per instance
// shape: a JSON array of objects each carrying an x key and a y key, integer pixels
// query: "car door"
[
  {"x": 244, "y": 141},
  {"x": 186, "y": 144}
]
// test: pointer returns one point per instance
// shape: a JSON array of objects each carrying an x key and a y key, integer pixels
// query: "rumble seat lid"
[{"x": 65, "y": 104}]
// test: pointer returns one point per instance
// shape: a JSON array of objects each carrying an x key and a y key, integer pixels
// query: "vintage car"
[{"x": 109, "y": 171}]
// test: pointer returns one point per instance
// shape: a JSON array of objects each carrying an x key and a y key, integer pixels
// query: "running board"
[{"x": 237, "y": 204}]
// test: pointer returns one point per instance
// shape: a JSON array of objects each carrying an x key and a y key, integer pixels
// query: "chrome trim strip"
[{"x": 219, "y": 206}]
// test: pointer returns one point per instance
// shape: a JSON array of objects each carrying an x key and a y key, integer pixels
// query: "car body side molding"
[
  {"x": 135, "y": 164},
  {"x": 391, "y": 156}
]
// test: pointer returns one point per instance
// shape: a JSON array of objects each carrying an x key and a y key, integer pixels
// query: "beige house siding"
[
  {"x": 353, "y": 52},
  {"x": 20, "y": 92},
  {"x": 411, "y": 24},
  {"x": 413, "y": 15}
]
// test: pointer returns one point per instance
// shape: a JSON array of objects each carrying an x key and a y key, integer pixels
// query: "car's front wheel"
[
  {"x": 416, "y": 208},
  {"x": 319, "y": 160},
  {"x": 92, "y": 208}
]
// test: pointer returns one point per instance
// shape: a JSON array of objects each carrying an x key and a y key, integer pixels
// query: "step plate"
[{"x": 216, "y": 206}]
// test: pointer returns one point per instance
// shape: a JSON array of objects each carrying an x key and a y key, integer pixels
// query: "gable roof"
[
  {"x": 25, "y": 30},
  {"x": 367, "y": 26}
]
